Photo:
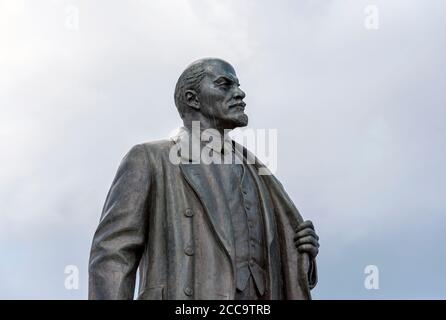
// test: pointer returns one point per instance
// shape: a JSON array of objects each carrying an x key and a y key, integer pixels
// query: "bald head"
[
  {"x": 209, "y": 91},
  {"x": 191, "y": 79}
]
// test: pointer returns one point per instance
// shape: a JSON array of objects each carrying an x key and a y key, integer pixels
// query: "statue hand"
[{"x": 306, "y": 239}]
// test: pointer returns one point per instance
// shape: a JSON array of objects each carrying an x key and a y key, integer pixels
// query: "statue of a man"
[{"x": 200, "y": 229}]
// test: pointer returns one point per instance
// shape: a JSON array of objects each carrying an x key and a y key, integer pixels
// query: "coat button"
[
  {"x": 188, "y": 291},
  {"x": 189, "y": 213},
  {"x": 189, "y": 250}
]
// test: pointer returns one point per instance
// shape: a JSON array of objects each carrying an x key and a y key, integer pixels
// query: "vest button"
[
  {"x": 189, "y": 251},
  {"x": 188, "y": 213},
  {"x": 188, "y": 291}
]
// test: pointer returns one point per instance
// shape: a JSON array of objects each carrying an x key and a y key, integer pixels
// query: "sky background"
[{"x": 360, "y": 115}]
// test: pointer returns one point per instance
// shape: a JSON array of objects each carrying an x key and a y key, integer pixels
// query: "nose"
[{"x": 239, "y": 93}]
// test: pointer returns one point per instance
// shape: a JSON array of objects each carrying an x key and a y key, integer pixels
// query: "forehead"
[{"x": 216, "y": 69}]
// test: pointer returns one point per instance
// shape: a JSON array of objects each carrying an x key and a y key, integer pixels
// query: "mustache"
[{"x": 238, "y": 104}]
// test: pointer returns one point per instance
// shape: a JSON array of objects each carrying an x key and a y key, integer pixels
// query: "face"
[{"x": 220, "y": 96}]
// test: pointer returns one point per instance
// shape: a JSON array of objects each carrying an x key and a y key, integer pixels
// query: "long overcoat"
[{"x": 171, "y": 222}]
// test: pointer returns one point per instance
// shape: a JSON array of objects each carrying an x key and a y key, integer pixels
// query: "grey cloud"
[{"x": 359, "y": 116}]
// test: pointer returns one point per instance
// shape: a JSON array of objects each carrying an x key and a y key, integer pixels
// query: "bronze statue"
[{"x": 200, "y": 230}]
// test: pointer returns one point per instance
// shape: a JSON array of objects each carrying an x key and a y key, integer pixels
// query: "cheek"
[
  {"x": 217, "y": 95},
  {"x": 214, "y": 100}
]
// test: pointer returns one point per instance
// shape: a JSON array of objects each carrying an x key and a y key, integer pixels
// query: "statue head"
[{"x": 209, "y": 91}]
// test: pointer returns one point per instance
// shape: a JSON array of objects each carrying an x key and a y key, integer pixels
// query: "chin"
[{"x": 240, "y": 121}]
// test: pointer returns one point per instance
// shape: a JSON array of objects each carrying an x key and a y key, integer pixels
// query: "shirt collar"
[{"x": 210, "y": 139}]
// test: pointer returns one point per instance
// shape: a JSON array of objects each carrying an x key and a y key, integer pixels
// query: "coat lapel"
[
  {"x": 202, "y": 179},
  {"x": 265, "y": 205}
]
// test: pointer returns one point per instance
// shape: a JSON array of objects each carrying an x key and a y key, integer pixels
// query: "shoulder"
[
  {"x": 141, "y": 157},
  {"x": 156, "y": 145},
  {"x": 156, "y": 148},
  {"x": 149, "y": 150}
]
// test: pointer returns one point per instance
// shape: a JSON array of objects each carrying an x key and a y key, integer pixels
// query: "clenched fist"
[{"x": 306, "y": 239}]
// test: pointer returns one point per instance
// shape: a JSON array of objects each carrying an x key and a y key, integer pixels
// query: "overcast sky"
[{"x": 360, "y": 115}]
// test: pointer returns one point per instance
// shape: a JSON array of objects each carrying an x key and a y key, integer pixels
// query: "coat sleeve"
[
  {"x": 299, "y": 277},
  {"x": 312, "y": 274},
  {"x": 119, "y": 240}
]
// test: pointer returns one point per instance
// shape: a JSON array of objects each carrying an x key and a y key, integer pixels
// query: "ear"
[{"x": 192, "y": 99}]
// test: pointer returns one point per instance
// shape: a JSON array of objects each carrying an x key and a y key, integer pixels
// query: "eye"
[{"x": 224, "y": 83}]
